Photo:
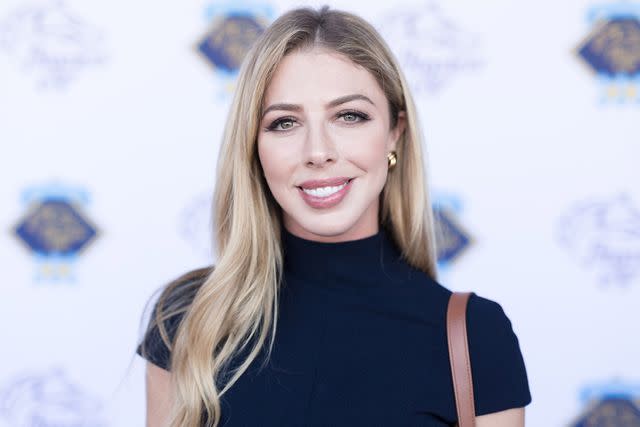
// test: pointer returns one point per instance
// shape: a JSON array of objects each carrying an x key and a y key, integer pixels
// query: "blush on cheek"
[
  {"x": 278, "y": 172},
  {"x": 367, "y": 145},
  {"x": 268, "y": 159},
  {"x": 369, "y": 156}
]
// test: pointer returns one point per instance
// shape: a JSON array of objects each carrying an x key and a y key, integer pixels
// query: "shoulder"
[
  {"x": 499, "y": 374},
  {"x": 489, "y": 329},
  {"x": 179, "y": 292},
  {"x": 170, "y": 307},
  {"x": 500, "y": 380},
  {"x": 485, "y": 315}
]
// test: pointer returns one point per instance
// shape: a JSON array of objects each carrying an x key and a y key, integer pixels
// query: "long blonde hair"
[{"x": 237, "y": 301}]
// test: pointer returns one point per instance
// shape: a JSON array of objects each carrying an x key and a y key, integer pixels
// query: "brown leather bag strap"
[{"x": 459, "y": 358}]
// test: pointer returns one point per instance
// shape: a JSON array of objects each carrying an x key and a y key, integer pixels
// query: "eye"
[
  {"x": 353, "y": 116},
  {"x": 285, "y": 123}
]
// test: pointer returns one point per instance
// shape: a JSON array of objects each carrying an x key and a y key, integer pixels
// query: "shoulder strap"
[{"x": 459, "y": 358}]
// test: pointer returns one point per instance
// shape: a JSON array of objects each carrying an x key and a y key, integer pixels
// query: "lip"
[
  {"x": 329, "y": 201},
  {"x": 328, "y": 182}
]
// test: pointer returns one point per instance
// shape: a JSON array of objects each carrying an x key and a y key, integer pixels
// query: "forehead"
[{"x": 318, "y": 76}]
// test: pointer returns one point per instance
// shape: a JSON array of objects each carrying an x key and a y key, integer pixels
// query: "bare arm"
[
  {"x": 509, "y": 418},
  {"x": 158, "y": 387}
]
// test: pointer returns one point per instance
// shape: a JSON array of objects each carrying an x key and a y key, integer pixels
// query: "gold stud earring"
[{"x": 392, "y": 159}]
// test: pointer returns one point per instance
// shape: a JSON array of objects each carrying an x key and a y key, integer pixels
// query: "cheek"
[
  {"x": 275, "y": 164},
  {"x": 368, "y": 150}
]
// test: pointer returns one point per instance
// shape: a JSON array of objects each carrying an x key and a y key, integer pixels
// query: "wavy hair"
[{"x": 236, "y": 303}]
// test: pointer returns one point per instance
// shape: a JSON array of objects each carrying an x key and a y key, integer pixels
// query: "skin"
[
  {"x": 158, "y": 392},
  {"x": 318, "y": 140}
]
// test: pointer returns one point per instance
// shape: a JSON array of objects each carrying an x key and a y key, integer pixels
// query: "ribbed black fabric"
[{"x": 361, "y": 341}]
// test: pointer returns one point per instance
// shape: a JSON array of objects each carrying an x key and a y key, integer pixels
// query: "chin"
[
  {"x": 333, "y": 225},
  {"x": 328, "y": 230}
]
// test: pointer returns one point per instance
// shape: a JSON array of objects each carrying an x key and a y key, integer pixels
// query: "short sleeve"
[
  {"x": 153, "y": 348},
  {"x": 175, "y": 298},
  {"x": 499, "y": 375}
]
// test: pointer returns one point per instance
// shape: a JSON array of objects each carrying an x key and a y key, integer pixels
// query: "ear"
[{"x": 398, "y": 130}]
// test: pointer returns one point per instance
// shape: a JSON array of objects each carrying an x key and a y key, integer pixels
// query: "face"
[{"x": 323, "y": 143}]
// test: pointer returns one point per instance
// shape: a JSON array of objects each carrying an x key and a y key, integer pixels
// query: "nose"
[{"x": 319, "y": 148}]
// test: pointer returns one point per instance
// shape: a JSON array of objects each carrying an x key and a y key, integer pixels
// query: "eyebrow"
[{"x": 330, "y": 104}]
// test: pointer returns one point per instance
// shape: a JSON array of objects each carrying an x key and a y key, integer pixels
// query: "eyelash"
[{"x": 363, "y": 117}]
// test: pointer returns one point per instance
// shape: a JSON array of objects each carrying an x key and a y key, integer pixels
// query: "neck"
[{"x": 358, "y": 262}]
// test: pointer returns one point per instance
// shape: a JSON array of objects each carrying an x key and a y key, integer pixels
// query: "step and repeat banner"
[{"x": 111, "y": 114}]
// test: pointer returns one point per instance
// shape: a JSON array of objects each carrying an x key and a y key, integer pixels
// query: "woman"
[{"x": 324, "y": 228}]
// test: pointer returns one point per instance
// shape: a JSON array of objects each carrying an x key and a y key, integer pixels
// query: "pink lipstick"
[{"x": 325, "y": 193}]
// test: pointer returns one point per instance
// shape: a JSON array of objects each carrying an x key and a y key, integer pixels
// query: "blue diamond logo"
[{"x": 55, "y": 227}]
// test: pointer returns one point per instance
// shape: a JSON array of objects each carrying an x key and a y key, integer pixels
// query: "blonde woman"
[{"x": 323, "y": 308}]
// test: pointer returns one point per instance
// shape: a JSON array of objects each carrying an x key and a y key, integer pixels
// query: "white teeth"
[{"x": 324, "y": 191}]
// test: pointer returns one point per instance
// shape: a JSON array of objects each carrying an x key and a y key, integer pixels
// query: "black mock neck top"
[{"x": 361, "y": 341}]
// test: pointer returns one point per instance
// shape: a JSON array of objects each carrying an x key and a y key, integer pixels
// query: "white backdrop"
[{"x": 110, "y": 122}]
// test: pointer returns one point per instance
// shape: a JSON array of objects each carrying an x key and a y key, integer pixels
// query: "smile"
[
  {"x": 324, "y": 191},
  {"x": 325, "y": 197}
]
